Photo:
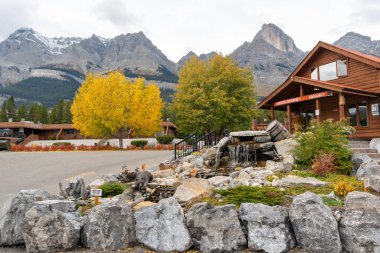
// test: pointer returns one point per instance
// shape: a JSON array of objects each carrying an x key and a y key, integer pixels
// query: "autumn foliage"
[{"x": 110, "y": 105}]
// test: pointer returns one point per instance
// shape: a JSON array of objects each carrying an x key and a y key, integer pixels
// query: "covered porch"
[{"x": 304, "y": 100}]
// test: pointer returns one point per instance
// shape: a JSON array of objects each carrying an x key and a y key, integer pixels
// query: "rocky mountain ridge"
[{"x": 35, "y": 67}]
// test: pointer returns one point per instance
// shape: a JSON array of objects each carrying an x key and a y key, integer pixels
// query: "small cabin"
[{"x": 331, "y": 83}]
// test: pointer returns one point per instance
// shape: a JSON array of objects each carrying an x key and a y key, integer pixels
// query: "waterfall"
[{"x": 241, "y": 153}]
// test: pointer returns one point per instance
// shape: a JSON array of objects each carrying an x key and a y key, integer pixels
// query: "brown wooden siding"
[{"x": 360, "y": 75}]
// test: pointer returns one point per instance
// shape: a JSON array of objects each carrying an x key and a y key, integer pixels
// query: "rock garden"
[{"x": 260, "y": 191}]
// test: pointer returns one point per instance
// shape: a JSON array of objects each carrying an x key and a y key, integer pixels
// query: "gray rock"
[
  {"x": 13, "y": 214},
  {"x": 262, "y": 139},
  {"x": 249, "y": 133},
  {"x": 161, "y": 227},
  {"x": 61, "y": 205},
  {"x": 294, "y": 181},
  {"x": 188, "y": 159},
  {"x": 364, "y": 166},
  {"x": 215, "y": 229},
  {"x": 275, "y": 166},
  {"x": 362, "y": 200},
  {"x": 193, "y": 189},
  {"x": 163, "y": 173},
  {"x": 219, "y": 181},
  {"x": 315, "y": 226},
  {"x": 268, "y": 228},
  {"x": 48, "y": 230},
  {"x": 375, "y": 144},
  {"x": 374, "y": 182},
  {"x": 360, "y": 231},
  {"x": 109, "y": 226},
  {"x": 284, "y": 149}
]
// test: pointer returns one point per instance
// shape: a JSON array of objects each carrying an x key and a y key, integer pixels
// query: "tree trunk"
[{"x": 121, "y": 142}]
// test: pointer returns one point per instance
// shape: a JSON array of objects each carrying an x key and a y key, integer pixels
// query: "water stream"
[{"x": 241, "y": 153}]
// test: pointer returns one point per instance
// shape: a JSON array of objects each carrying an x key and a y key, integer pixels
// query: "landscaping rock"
[
  {"x": 163, "y": 173},
  {"x": 249, "y": 133},
  {"x": 219, "y": 181},
  {"x": 215, "y": 229},
  {"x": 76, "y": 188},
  {"x": 364, "y": 166},
  {"x": 61, "y": 205},
  {"x": 315, "y": 226},
  {"x": 375, "y": 144},
  {"x": 268, "y": 228},
  {"x": 362, "y": 200},
  {"x": 374, "y": 182},
  {"x": 285, "y": 149},
  {"x": 143, "y": 204},
  {"x": 97, "y": 182},
  {"x": 360, "y": 231},
  {"x": 262, "y": 174},
  {"x": 13, "y": 214},
  {"x": 109, "y": 226},
  {"x": 48, "y": 230},
  {"x": 193, "y": 189},
  {"x": 161, "y": 227},
  {"x": 275, "y": 166},
  {"x": 294, "y": 181}
]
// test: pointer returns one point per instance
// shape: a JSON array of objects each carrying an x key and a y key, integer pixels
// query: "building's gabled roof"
[
  {"x": 168, "y": 124},
  {"x": 366, "y": 59},
  {"x": 31, "y": 125}
]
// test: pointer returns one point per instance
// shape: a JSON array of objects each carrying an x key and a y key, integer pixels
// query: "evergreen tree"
[
  {"x": 44, "y": 118},
  {"x": 11, "y": 108},
  {"x": 60, "y": 108},
  {"x": 22, "y": 113},
  {"x": 67, "y": 116},
  {"x": 53, "y": 116},
  {"x": 3, "y": 112}
]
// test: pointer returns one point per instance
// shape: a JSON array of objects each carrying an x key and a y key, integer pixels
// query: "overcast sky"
[{"x": 178, "y": 26}]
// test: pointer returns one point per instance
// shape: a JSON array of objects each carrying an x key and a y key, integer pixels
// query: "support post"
[
  {"x": 289, "y": 117},
  {"x": 318, "y": 109},
  {"x": 272, "y": 112},
  {"x": 342, "y": 104},
  {"x": 301, "y": 90}
]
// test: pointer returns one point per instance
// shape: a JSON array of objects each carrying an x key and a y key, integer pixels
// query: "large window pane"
[
  {"x": 363, "y": 114},
  {"x": 314, "y": 74},
  {"x": 327, "y": 72},
  {"x": 352, "y": 114},
  {"x": 342, "y": 67}
]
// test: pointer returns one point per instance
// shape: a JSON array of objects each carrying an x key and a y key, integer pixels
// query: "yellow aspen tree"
[{"x": 110, "y": 105}]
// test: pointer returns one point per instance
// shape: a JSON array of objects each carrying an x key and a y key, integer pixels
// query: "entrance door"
[{"x": 306, "y": 117}]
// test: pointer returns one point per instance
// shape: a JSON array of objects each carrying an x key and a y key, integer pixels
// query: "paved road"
[{"x": 43, "y": 170}]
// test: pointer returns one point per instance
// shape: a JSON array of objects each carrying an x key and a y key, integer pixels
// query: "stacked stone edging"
[{"x": 54, "y": 225}]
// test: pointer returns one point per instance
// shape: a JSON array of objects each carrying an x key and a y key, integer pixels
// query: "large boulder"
[
  {"x": 285, "y": 149},
  {"x": 360, "y": 231},
  {"x": 314, "y": 224},
  {"x": 374, "y": 182},
  {"x": 215, "y": 229},
  {"x": 276, "y": 166},
  {"x": 269, "y": 229},
  {"x": 161, "y": 227},
  {"x": 13, "y": 214},
  {"x": 193, "y": 189},
  {"x": 364, "y": 166},
  {"x": 46, "y": 229},
  {"x": 109, "y": 226},
  {"x": 362, "y": 200},
  {"x": 375, "y": 144}
]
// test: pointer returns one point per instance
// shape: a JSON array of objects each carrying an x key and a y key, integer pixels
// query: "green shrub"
[
  {"x": 165, "y": 139},
  {"x": 329, "y": 137},
  {"x": 61, "y": 144},
  {"x": 331, "y": 202},
  {"x": 112, "y": 189},
  {"x": 252, "y": 194},
  {"x": 139, "y": 143}
]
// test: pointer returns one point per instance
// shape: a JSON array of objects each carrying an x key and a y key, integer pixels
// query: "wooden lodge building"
[{"x": 331, "y": 83}]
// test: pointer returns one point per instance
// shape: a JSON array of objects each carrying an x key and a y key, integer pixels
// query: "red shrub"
[{"x": 324, "y": 163}]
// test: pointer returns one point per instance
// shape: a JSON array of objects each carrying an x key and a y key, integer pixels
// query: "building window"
[
  {"x": 352, "y": 114},
  {"x": 314, "y": 73},
  {"x": 358, "y": 114},
  {"x": 341, "y": 66},
  {"x": 330, "y": 71},
  {"x": 70, "y": 131},
  {"x": 363, "y": 114},
  {"x": 327, "y": 71}
]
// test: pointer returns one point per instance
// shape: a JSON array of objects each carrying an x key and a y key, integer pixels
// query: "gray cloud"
[{"x": 115, "y": 11}]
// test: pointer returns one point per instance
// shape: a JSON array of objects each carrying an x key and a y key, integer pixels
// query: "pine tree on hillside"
[
  {"x": 11, "y": 108},
  {"x": 22, "y": 113},
  {"x": 67, "y": 116},
  {"x": 60, "y": 108},
  {"x": 44, "y": 117},
  {"x": 53, "y": 116},
  {"x": 3, "y": 112}
]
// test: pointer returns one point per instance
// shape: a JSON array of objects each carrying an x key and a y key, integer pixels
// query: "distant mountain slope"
[
  {"x": 272, "y": 55},
  {"x": 361, "y": 43}
]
